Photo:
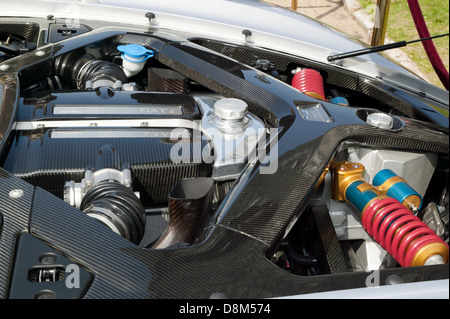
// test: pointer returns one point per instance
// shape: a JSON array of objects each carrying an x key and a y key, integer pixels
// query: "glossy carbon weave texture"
[
  {"x": 28, "y": 31},
  {"x": 7, "y": 108},
  {"x": 16, "y": 198},
  {"x": 227, "y": 261},
  {"x": 332, "y": 76},
  {"x": 82, "y": 105},
  {"x": 58, "y": 160}
]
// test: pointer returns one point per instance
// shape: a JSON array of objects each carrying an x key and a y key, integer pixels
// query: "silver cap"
[
  {"x": 230, "y": 109},
  {"x": 380, "y": 120}
]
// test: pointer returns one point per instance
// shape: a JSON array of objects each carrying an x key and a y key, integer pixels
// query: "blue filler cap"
[
  {"x": 135, "y": 51},
  {"x": 340, "y": 100}
]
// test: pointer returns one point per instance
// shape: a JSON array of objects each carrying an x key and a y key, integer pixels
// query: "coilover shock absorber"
[{"x": 387, "y": 214}]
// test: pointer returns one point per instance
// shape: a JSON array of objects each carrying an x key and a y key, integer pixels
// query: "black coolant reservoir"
[{"x": 60, "y": 135}]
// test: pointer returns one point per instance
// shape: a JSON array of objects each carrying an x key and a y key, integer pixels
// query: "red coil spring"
[
  {"x": 397, "y": 230},
  {"x": 309, "y": 82}
]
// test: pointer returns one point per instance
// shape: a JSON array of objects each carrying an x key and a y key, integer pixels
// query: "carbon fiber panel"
[
  {"x": 57, "y": 160},
  {"x": 7, "y": 103},
  {"x": 231, "y": 79},
  {"x": 371, "y": 89},
  {"x": 333, "y": 252},
  {"x": 228, "y": 262},
  {"x": 29, "y": 31},
  {"x": 31, "y": 66},
  {"x": 150, "y": 42},
  {"x": 332, "y": 75},
  {"x": 15, "y": 212},
  {"x": 248, "y": 55},
  {"x": 106, "y": 103},
  {"x": 32, "y": 260},
  {"x": 269, "y": 203}
]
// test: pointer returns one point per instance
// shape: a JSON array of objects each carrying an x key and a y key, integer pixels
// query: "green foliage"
[{"x": 401, "y": 27}]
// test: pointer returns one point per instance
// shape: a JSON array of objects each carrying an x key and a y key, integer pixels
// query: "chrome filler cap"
[{"x": 230, "y": 109}]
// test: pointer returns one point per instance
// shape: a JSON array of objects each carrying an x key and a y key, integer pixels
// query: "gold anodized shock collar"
[{"x": 428, "y": 251}]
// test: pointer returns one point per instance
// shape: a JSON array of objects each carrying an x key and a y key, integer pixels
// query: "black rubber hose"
[
  {"x": 95, "y": 70},
  {"x": 118, "y": 208},
  {"x": 299, "y": 259}
]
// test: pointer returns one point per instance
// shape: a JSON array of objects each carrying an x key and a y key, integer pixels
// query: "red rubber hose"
[
  {"x": 428, "y": 45},
  {"x": 309, "y": 82}
]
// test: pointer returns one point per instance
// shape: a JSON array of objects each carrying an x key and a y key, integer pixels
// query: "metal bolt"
[
  {"x": 246, "y": 33},
  {"x": 45, "y": 294},
  {"x": 435, "y": 260},
  {"x": 47, "y": 259},
  {"x": 150, "y": 15},
  {"x": 16, "y": 193},
  {"x": 413, "y": 207},
  {"x": 394, "y": 280},
  {"x": 89, "y": 185}
]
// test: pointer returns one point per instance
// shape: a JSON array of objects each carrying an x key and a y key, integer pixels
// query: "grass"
[{"x": 401, "y": 27}]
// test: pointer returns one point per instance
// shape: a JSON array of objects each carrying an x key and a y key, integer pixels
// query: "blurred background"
[{"x": 357, "y": 18}]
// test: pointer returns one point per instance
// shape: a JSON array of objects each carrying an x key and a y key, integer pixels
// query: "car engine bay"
[{"x": 135, "y": 131}]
